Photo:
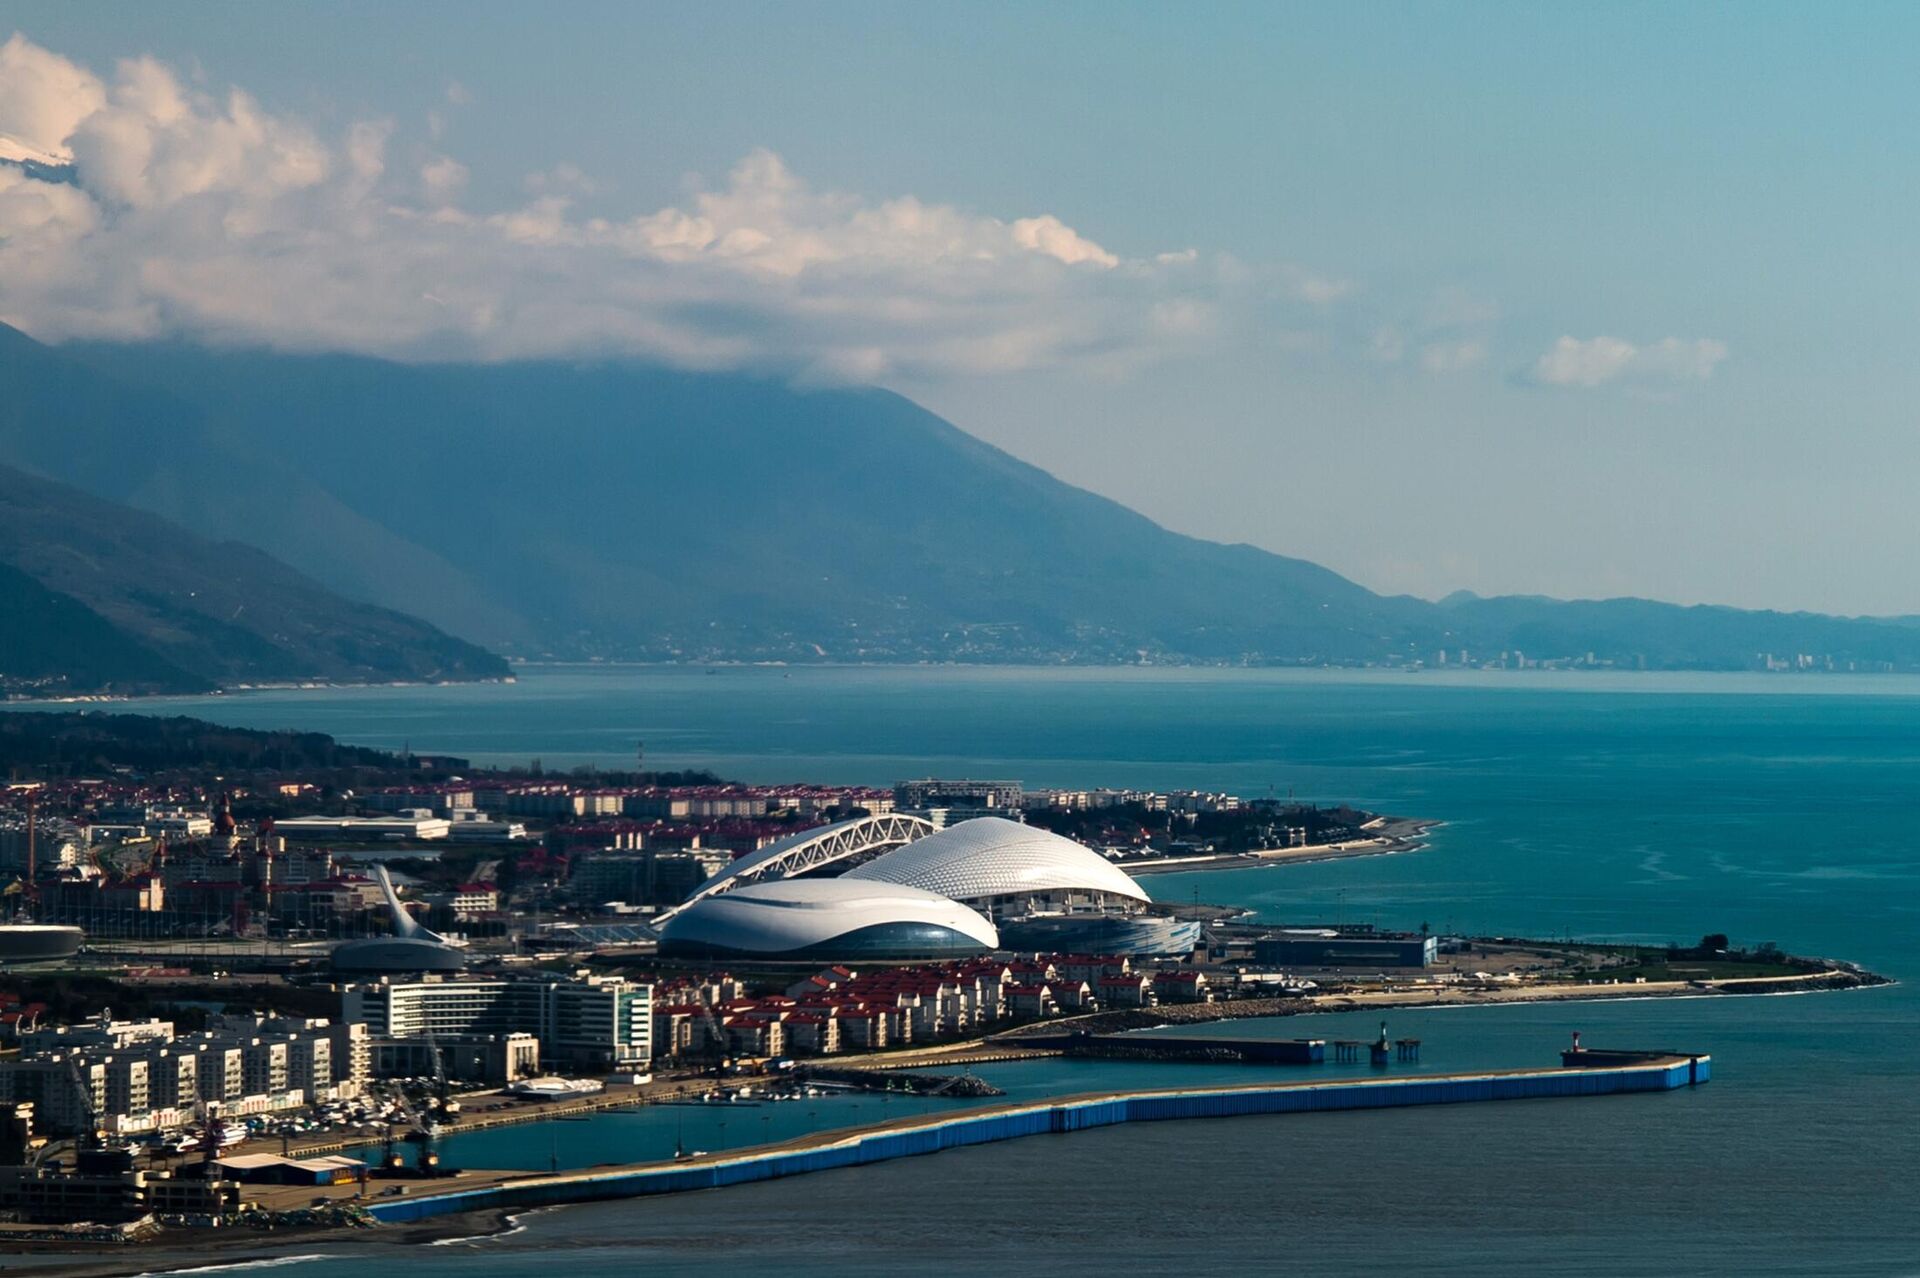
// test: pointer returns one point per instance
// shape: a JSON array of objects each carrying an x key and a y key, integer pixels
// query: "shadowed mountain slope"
[
  {"x": 113, "y": 598},
  {"x": 627, "y": 511}
]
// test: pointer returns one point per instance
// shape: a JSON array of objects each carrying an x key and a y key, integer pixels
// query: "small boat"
[{"x": 226, "y": 1136}]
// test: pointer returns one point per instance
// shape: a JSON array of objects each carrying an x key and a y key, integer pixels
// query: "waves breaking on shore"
[{"x": 264, "y": 1262}]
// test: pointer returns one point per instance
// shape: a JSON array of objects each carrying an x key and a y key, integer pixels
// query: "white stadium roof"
[
  {"x": 992, "y": 856},
  {"x": 798, "y": 914},
  {"x": 809, "y": 850}
]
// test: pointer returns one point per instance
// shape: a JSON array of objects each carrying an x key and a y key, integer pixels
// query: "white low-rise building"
[{"x": 349, "y": 829}]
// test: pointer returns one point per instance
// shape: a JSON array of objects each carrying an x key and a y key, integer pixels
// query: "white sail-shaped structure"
[{"x": 413, "y": 947}]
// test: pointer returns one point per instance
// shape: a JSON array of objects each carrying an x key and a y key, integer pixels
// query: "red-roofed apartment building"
[
  {"x": 1074, "y": 996},
  {"x": 1126, "y": 991},
  {"x": 813, "y": 1033},
  {"x": 1183, "y": 986},
  {"x": 1030, "y": 1002}
]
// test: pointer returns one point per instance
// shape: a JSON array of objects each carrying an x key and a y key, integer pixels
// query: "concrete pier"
[{"x": 906, "y": 1137}]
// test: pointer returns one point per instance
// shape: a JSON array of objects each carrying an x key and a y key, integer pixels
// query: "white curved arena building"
[
  {"x": 827, "y": 919},
  {"x": 1001, "y": 864},
  {"x": 976, "y": 886}
]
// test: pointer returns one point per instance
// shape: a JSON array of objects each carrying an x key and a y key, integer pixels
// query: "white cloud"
[
  {"x": 1320, "y": 291},
  {"x": 1448, "y": 331},
  {"x": 205, "y": 216},
  {"x": 43, "y": 96},
  {"x": 562, "y": 179},
  {"x": 154, "y": 147},
  {"x": 32, "y": 209},
  {"x": 1597, "y": 361},
  {"x": 1056, "y": 239},
  {"x": 1452, "y": 357},
  {"x": 443, "y": 177},
  {"x": 1184, "y": 315}
]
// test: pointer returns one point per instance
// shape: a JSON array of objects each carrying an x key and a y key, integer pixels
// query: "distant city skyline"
[{"x": 1501, "y": 298}]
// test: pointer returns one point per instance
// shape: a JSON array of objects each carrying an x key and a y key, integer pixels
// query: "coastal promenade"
[
  {"x": 1012, "y": 1045},
  {"x": 1611, "y": 1074}
]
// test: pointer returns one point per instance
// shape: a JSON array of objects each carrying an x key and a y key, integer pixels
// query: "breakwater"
[
  {"x": 907, "y": 1137},
  {"x": 877, "y": 1080}
]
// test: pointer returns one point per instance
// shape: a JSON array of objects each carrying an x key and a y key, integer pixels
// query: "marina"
[
  {"x": 1543, "y": 879},
  {"x": 1620, "y": 1073}
]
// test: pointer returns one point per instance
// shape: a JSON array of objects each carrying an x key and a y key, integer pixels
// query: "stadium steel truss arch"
[{"x": 809, "y": 850}]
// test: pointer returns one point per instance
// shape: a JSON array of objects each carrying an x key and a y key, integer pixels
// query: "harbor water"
[{"x": 1606, "y": 806}]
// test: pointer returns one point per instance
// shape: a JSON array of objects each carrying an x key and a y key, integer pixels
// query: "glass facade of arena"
[{"x": 878, "y": 942}]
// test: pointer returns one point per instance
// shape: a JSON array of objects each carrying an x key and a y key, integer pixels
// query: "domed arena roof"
[
  {"x": 809, "y": 850},
  {"x": 992, "y": 856},
  {"x": 827, "y": 919}
]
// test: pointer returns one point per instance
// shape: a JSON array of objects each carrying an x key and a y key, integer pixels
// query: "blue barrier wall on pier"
[{"x": 907, "y": 1138}]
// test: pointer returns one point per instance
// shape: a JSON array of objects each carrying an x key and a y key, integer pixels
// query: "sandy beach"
[{"x": 209, "y": 1251}]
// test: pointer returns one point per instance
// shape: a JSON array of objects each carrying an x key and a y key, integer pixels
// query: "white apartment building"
[
  {"x": 128, "y": 1077},
  {"x": 591, "y": 1021}
]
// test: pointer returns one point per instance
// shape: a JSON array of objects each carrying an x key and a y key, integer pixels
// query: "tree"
[{"x": 1714, "y": 943}]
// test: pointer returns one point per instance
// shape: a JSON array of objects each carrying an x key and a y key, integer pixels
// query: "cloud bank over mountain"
[
  {"x": 180, "y": 212},
  {"x": 142, "y": 204}
]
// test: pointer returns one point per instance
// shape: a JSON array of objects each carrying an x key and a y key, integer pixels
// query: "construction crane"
[
  {"x": 89, "y": 1135},
  {"x": 716, "y": 1035},
  {"x": 389, "y": 1160},
  {"x": 422, "y": 1133},
  {"x": 444, "y": 1105}
]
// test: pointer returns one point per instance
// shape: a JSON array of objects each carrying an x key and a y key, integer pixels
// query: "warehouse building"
[{"x": 1318, "y": 948}]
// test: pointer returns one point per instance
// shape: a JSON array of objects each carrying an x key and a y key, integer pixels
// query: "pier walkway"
[{"x": 1609, "y": 1074}]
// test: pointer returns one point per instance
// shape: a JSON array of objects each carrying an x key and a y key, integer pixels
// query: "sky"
[{"x": 1571, "y": 300}]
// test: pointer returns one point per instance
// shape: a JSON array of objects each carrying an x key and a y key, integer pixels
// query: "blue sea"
[{"x": 1643, "y": 807}]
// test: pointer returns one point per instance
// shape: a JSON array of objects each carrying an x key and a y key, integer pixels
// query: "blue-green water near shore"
[{"x": 1644, "y": 807}]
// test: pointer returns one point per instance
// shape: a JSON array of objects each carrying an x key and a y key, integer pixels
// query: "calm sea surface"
[{"x": 1641, "y": 807}]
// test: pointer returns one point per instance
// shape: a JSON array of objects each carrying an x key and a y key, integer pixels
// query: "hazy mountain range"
[
  {"x": 103, "y": 596},
  {"x": 624, "y": 511}
]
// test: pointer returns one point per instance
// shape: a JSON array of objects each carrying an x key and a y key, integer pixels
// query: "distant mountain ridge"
[
  {"x": 53, "y": 644},
  {"x": 96, "y": 597},
  {"x": 616, "y": 510}
]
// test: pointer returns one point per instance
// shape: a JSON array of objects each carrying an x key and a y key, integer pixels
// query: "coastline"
[
  {"x": 284, "y": 1242},
  {"x": 1396, "y": 835},
  {"x": 1013, "y": 1044},
  {"x": 509, "y": 1195},
  {"x": 290, "y": 685},
  {"x": 998, "y": 1046},
  {"x": 1596, "y": 679},
  {"x": 1826, "y": 982},
  {"x": 240, "y": 1248}
]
